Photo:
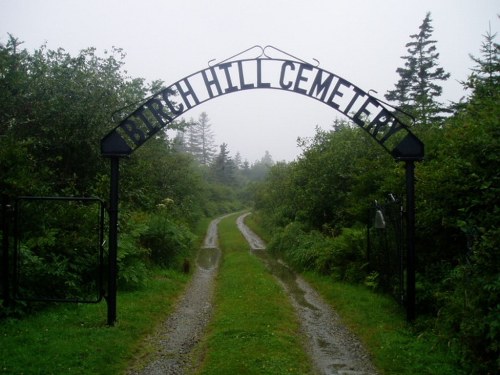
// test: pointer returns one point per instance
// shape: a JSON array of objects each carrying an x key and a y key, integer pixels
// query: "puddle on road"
[
  {"x": 286, "y": 276},
  {"x": 208, "y": 258}
]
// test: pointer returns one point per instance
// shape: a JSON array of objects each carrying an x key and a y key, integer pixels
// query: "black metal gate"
[
  {"x": 52, "y": 249},
  {"x": 386, "y": 239}
]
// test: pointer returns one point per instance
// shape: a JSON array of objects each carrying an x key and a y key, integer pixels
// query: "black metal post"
[
  {"x": 113, "y": 239},
  {"x": 410, "y": 255},
  {"x": 5, "y": 251}
]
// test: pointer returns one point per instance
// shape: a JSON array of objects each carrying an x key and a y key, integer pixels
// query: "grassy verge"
[
  {"x": 254, "y": 329},
  {"x": 74, "y": 339},
  {"x": 381, "y": 325}
]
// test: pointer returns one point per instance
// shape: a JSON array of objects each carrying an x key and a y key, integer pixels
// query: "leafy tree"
[
  {"x": 56, "y": 108},
  {"x": 333, "y": 183},
  {"x": 418, "y": 87}
]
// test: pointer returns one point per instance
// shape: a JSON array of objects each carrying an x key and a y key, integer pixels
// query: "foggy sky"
[{"x": 359, "y": 40}]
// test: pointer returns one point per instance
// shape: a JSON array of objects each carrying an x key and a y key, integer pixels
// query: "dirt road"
[
  {"x": 333, "y": 349},
  {"x": 184, "y": 328}
]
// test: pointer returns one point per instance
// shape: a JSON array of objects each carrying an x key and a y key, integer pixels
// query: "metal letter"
[
  {"x": 186, "y": 94},
  {"x": 301, "y": 78},
  {"x": 320, "y": 86},
  {"x": 140, "y": 114},
  {"x": 158, "y": 112},
  {"x": 169, "y": 104},
  {"x": 136, "y": 135},
  {"x": 230, "y": 87},
  {"x": 357, "y": 117},
  {"x": 209, "y": 83},
  {"x": 336, "y": 92},
  {"x": 357, "y": 93},
  {"x": 260, "y": 84},
  {"x": 395, "y": 127},
  {"x": 243, "y": 85},
  {"x": 282, "y": 75}
]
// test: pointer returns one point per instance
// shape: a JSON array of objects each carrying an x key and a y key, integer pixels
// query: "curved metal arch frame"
[{"x": 158, "y": 111}]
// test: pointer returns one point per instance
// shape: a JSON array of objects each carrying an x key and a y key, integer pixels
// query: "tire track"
[
  {"x": 334, "y": 350},
  {"x": 182, "y": 330}
]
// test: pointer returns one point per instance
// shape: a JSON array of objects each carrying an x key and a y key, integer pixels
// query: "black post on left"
[
  {"x": 113, "y": 239},
  {"x": 5, "y": 251}
]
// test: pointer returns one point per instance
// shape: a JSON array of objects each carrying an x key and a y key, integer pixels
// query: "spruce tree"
[
  {"x": 418, "y": 87},
  {"x": 485, "y": 77},
  {"x": 223, "y": 167},
  {"x": 200, "y": 139}
]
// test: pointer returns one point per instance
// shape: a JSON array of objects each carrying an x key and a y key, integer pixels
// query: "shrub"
[
  {"x": 168, "y": 241},
  {"x": 343, "y": 256},
  {"x": 132, "y": 257}
]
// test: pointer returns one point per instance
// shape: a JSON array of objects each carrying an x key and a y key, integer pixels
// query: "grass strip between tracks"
[{"x": 254, "y": 329}]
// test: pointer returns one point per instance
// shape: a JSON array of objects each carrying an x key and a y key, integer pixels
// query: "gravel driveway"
[{"x": 333, "y": 349}]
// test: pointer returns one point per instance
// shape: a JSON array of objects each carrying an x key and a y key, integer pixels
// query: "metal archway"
[{"x": 262, "y": 72}]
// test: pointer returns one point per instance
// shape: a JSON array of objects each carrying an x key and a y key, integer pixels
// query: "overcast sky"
[{"x": 359, "y": 40}]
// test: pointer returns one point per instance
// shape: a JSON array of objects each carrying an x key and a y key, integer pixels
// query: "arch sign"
[
  {"x": 263, "y": 72},
  {"x": 237, "y": 74}
]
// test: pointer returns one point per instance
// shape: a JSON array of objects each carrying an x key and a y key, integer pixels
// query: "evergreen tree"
[
  {"x": 223, "y": 167},
  {"x": 202, "y": 140},
  {"x": 237, "y": 160},
  {"x": 417, "y": 90},
  {"x": 179, "y": 142},
  {"x": 485, "y": 77},
  {"x": 267, "y": 159}
]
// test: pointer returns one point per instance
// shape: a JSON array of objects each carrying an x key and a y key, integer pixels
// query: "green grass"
[
  {"x": 381, "y": 325},
  {"x": 74, "y": 339},
  {"x": 254, "y": 329}
]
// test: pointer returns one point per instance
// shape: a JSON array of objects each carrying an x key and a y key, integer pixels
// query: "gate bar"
[{"x": 113, "y": 239}]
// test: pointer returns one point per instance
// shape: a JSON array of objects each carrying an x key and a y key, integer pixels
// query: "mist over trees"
[
  {"x": 197, "y": 139},
  {"x": 56, "y": 107}
]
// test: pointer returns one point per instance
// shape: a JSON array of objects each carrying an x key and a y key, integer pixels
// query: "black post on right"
[{"x": 113, "y": 240}]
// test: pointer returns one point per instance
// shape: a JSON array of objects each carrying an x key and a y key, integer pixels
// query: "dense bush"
[
  {"x": 168, "y": 241},
  {"x": 343, "y": 256},
  {"x": 58, "y": 249}
]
